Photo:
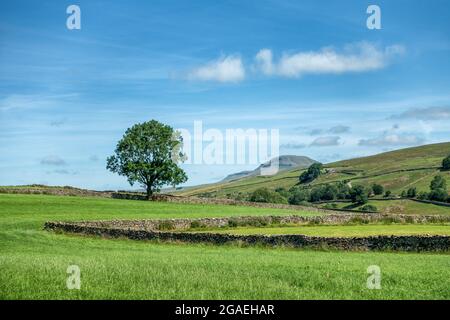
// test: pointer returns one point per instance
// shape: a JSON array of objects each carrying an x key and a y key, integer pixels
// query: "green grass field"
[
  {"x": 33, "y": 262},
  {"x": 343, "y": 230}
]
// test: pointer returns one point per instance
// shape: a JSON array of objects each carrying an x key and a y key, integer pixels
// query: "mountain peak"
[{"x": 285, "y": 162}]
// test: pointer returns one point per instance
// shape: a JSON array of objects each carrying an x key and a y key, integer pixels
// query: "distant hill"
[
  {"x": 396, "y": 170},
  {"x": 285, "y": 162}
]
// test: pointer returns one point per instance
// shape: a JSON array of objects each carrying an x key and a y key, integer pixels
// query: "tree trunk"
[{"x": 149, "y": 193}]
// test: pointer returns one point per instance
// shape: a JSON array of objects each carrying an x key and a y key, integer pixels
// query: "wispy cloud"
[
  {"x": 62, "y": 172},
  {"x": 392, "y": 139},
  {"x": 339, "y": 129},
  {"x": 293, "y": 146},
  {"x": 53, "y": 161},
  {"x": 325, "y": 141},
  {"x": 358, "y": 57},
  {"x": 24, "y": 101},
  {"x": 225, "y": 69},
  {"x": 93, "y": 158},
  {"x": 429, "y": 113},
  {"x": 57, "y": 123}
]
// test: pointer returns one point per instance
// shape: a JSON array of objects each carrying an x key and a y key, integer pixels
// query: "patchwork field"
[{"x": 34, "y": 262}]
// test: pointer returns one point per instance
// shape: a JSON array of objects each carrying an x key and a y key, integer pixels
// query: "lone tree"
[
  {"x": 148, "y": 154},
  {"x": 446, "y": 163}
]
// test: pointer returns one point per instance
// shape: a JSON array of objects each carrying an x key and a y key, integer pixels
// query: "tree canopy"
[
  {"x": 438, "y": 182},
  {"x": 359, "y": 195},
  {"x": 446, "y": 163},
  {"x": 312, "y": 173},
  {"x": 148, "y": 154}
]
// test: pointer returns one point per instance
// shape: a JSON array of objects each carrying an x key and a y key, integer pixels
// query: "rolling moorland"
[
  {"x": 34, "y": 261},
  {"x": 397, "y": 171}
]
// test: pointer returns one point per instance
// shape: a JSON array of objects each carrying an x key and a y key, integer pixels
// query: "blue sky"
[{"x": 311, "y": 69}]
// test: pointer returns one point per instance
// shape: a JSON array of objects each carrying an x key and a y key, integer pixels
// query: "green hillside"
[{"x": 396, "y": 170}]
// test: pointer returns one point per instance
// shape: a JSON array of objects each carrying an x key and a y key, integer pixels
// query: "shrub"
[
  {"x": 370, "y": 208},
  {"x": 312, "y": 173},
  {"x": 438, "y": 183},
  {"x": 423, "y": 196},
  {"x": 166, "y": 225},
  {"x": 298, "y": 196},
  {"x": 359, "y": 195},
  {"x": 446, "y": 163},
  {"x": 412, "y": 192},
  {"x": 232, "y": 223},
  {"x": 197, "y": 225},
  {"x": 257, "y": 222},
  {"x": 439, "y": 195},
  {"x": 238, "y": 196},
  {"x": 329, "y": 192},
  {"x": 283, "y": 192},
  {"x": 387, "y": 194},
  {"x": 316, "y": 194},
  {"x": 343, "y": 190},
  {"x": 331, "y": 206},
  {"x": 266, "y": 195},
  {"x": 377, "y": 189}
]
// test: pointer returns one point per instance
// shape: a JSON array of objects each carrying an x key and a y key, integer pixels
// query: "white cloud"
[
  {"x": 357, "y": 57},
  {"x": 225, "y": 69},
  {"x": 264, "y": 60}
]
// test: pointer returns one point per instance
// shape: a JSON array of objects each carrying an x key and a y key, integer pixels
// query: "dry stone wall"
[{"x": 174, "y": 230}]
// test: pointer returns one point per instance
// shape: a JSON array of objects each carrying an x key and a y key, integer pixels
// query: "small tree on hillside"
[
  {"x": 359, "y": 195},
  {"x": 148, "y": 154},
  {"x": 311, "y": 173},
  {"x": 377, "y": 189},
  {"x": 446, "y": 163},
  {"x": 440, "y": 195},
  {"x": 438, "y": 188},
  {"x": 412, "y": 192},
  {"x": 438, "y": 182},
  {"x": 298, "y": 196},
  {"x": 266, "y": 195}
]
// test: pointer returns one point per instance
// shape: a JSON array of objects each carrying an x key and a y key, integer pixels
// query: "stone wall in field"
[
  {"x": 175, "y": 230},
  {"x": 56, "y": 191},
  {"x": 259, "y": 221},
  {"x": 443, "y": 204},
  {"x": 403, "y": 243}
]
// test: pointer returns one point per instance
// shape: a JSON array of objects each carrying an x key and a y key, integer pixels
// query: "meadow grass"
[{"x": 33, "y": 262}]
